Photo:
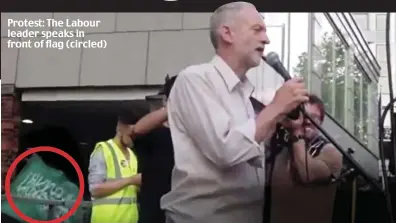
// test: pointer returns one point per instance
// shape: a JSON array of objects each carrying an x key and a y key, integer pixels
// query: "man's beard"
[{"x": 254, "y": 60}]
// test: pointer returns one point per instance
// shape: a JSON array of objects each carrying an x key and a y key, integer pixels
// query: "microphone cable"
[
  {"x": 390, "y": 81},
  {"x": 382, "y": 120},
  {"x": 306, "y": 157},
  {"x": 382, "y": 157},
  {"x": 306, "y": 145}
]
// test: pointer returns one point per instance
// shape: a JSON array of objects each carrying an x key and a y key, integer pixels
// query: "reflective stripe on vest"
[
  {"x": 122, "y": 200},
  {"x": 118, "y": 176},
  {"x": 116, "y": 166}
]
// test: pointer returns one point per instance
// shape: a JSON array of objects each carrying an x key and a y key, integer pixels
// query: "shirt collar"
[{"x": 229, "y": 76}]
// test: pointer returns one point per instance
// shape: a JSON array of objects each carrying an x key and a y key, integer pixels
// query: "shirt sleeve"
[
  {"x": 194, "y": 106},
  {"x": 97, "y": 168}
]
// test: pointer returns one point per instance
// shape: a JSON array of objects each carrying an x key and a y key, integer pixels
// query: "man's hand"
[
  {"x": 110, "y": 187},
  {"x": 131, "y": 131},
  {"x": 290, "y": 95},
  {"x": 135, "y": 180},
  {"x": 295, "y": 126},
  {"x": 286, "y": 99}
]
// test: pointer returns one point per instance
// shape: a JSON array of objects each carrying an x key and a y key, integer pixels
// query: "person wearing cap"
[{"x": 113, "y": 176}]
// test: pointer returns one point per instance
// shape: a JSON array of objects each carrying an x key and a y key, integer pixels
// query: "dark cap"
[
  {"x": 167, "y": 87},
  {"x": 127, "y": 117}
]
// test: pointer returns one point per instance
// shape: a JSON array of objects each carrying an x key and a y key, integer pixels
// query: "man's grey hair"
[{"x": 224, "y": 14}]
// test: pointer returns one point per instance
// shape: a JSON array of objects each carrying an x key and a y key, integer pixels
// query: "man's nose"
[{"x": 264, "y": 38}]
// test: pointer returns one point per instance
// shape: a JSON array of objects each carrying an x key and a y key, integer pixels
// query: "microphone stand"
[{"x": 356, "y": 166}]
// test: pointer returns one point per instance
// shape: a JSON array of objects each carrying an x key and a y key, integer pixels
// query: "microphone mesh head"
[{"x": 272, "y": 58}]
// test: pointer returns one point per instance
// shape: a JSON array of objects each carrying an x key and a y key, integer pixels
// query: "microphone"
[{"x": 273, "y": 60}]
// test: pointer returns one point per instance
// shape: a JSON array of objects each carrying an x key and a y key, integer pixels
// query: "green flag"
[{"x": 39, "y": 181}]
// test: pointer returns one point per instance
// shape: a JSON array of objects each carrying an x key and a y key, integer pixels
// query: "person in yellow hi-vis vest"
[{"x": 113, "y": 176}]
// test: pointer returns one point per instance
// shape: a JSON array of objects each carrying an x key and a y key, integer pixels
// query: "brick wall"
[{"x": 9, "y": 132}]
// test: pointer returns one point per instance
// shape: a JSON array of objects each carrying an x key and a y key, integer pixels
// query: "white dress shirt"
[{"x": 219, "y": 167}]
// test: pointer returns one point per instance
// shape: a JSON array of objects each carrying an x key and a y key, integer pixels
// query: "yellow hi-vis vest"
[{"x": 120, "y": 207}]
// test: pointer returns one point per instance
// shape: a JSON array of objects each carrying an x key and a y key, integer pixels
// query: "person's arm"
[
  {"x": 266, "y": 122},
  {"x": 98, "y": 185},
  {"x": 111, "y": 187},
  {"x": 151, "y": 121},
  {"x": 320, "y": 168},
  {"x": 193, "y": 105}
]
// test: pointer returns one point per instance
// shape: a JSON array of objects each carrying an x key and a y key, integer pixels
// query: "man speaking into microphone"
[{"x": 219, "y": 164}]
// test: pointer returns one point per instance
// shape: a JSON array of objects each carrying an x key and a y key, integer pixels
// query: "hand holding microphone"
[{"x": 292, "y": 94}]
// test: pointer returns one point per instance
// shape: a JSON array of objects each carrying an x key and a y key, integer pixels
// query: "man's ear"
[
  {"x": 226, "y": 34},
  {"x": 118, "y": 127}
]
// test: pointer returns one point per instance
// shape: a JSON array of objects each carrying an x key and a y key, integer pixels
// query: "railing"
[
  {"x": 346, "y": 26},
  {"x": 85, "y": 206}
]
